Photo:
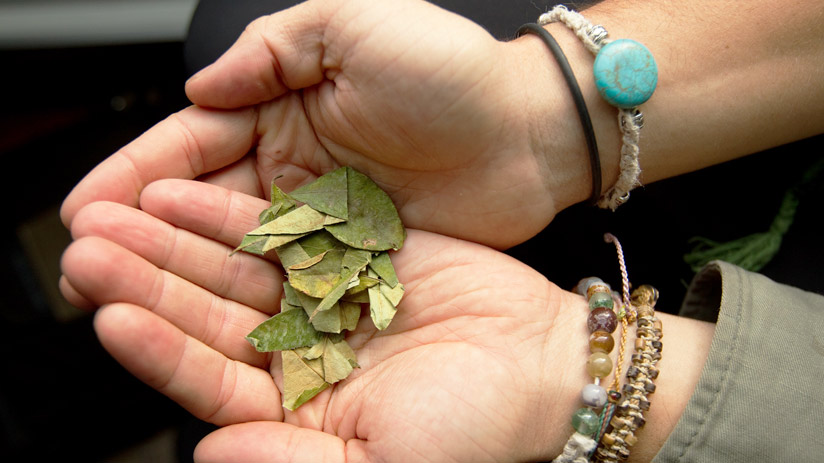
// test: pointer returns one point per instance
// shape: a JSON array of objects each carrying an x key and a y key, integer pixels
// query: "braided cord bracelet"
[{"x": 626, "y": 76}]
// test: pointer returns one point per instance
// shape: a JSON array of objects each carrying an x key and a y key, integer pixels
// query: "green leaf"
[
  {"x": 316, "y": 351},
  {"x": 336, "y": 365},
  {"x": 308, "y": 303},
  {"x": 279, "y": 198},
  {"x": 301, "y": 220},
  {"x": 327, "y": 194},
  {"x": 354, "y": 260},
  {"x": 361, "y": 297},
  {"x": 284, "y": 331},
  {"x": 338, "y": 359},
  {"x": 319, "y": 279},
  {"x": 269, "y": 214},
  {"x": 373, "y": 223},
  {"x": 252, "y": 244},
  {"x": 382, "y": 265},
  {"x": 285, "y": 306},
  {"x": 349, "y": 315},
  {"x": 394, "y": 295},
  {"x": 328, "y": 321},
  {"x": 347, "y": 352},
  {"x": 290, "y": 295},
  {"x": 291, "y": 254},
  {"x": 301, "y": 382},
  {"x": 276, "y": 241},
  {"x": 319, "y": 242},
  {"x": 332, "y": 249},
  {"x": 364, "y": 282},
  {"x": 381, "y": 308},
  {"x": 307, "y": 263},
  {"x": 281, "y": 205}
]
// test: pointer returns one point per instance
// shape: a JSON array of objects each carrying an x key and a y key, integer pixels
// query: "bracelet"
[
  {"x": 601, "y": 323},
  {"x": 626, "y": 76},
  {"x": 629, "y": 414},
  {"x": 608, "y": 434},
  {"x": 580, "y": 103}
]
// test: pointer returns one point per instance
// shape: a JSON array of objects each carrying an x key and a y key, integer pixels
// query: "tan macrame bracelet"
[{"x": 629, "y": 415}]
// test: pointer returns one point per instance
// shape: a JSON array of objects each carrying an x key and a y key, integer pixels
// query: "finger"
[
  {"x": 104, "y": 272},
  {"x": 187, "y": 144},
  {"x": 236, "y": 177},
  {"x": 72, "y": 296},
  {"x": 274, "y": 54},
  {"x": 206, "y": 263},
  {"x": 276, "y": 442},
  {"x": 208, "y": 210},
  {"x": 205, "y": 382}
]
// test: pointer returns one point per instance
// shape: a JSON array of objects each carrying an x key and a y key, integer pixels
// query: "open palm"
[
  {"x": 458, "y": 375},
  {"x": 425, "y": 102}
]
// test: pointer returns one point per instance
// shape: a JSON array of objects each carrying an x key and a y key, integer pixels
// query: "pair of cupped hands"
[{"x": 426, "y": 104}]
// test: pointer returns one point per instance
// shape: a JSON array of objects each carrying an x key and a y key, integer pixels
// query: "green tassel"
[
  {"x": 751, "y": 252},
  {"x": 754, "y": 251}
]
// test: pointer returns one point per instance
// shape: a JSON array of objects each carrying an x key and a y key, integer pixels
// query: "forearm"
[{"x": 734, "y": 79}]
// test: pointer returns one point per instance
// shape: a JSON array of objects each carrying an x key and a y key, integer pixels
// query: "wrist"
[
  {"x": 563, "y": 374},
  {"x": 558, "y": 140},
  {"x": 687, "y": 347}
]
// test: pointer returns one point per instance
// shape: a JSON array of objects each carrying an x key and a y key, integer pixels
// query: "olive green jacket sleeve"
[{"x": 761, "y": 392}]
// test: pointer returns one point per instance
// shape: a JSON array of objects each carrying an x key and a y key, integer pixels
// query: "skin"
[
  {"x": 470, "y": 312},
  {"x": 460, "y": 129}
]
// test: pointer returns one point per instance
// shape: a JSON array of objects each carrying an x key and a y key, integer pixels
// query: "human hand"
[
  {"x": 450, "y": 122},
  {"x": 473, "y": 368}
]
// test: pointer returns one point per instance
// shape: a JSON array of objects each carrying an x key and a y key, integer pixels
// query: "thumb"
[
  {"x": 275, "y": 54},
  {"x": 268, "y": 441}
]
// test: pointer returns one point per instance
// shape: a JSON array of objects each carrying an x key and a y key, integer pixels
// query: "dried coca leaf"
[
  {"x": 333, "y": 250},
  {"x": 327, "y": 194},
  {"x": 300, "y": 381},
  {"x": 284, "y": 331},
  {"x": 373, "y": 223}
]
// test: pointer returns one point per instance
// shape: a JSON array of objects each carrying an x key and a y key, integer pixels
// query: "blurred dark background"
[
  {"x": 79, "y": 80},
  {"x": 82, "y": 78}
]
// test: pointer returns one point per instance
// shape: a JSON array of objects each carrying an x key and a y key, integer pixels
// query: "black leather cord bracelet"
[{"x": 580, "y": 103}]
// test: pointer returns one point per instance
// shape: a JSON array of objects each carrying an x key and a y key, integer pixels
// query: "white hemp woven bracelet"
[{"x": 642, "y": 72}]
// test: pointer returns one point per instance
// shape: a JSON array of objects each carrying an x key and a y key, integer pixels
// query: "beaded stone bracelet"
[
  {"x": 629, "y": 414},
  {"x": 626, "y": 76},
  {"x": 601, "y": 323}
]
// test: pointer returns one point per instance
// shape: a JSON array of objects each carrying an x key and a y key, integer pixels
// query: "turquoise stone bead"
[
  {"x": 585, "y": 421},
  {"x": 625, "y": 73}
]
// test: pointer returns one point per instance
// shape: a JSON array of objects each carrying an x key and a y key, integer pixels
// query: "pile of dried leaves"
[{"x": 333, "y": 248}]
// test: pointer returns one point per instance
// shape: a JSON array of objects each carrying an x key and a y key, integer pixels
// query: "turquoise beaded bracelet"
[{"x": 626, "y": 75}]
